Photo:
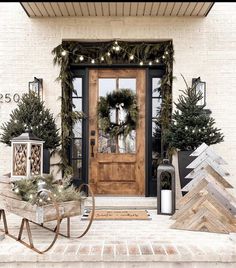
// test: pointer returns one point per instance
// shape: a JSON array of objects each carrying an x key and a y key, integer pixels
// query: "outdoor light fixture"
[
  {"x": 37, "y": 86},
  {"x": 200, "y": 87}
]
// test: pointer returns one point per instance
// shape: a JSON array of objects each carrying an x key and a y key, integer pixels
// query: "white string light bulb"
[
  {"x": 81, "y": 58},
  {"x": 108, "y": 54},
  {"x": 157, "y": 60},
  {"x": 93, "y": 61},
  {"x": 102, "y": 58},
  {"x": 150, "y": 63},
  {"x": 141, "y": 63},
  {"x": 163, "y": 57},
  {"x": 167, "y": 52},
  {"x": 131, "y": 57},
  {"x": 116, "y": 43},
  {"x": 117, "y": 48},
  {"x": 63, "y": 53}
]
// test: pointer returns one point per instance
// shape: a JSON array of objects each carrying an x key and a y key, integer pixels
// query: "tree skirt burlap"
[{"x": 118, "y": 215}]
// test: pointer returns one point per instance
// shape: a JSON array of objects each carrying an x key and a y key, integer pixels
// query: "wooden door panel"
[{"x": 117, "y": 173}]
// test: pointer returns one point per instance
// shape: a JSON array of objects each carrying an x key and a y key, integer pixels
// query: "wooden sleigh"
[{"x": 39, "y": 215}]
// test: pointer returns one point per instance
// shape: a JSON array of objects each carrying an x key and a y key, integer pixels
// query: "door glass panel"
[
  {"x": 129, "y": 83},
  {"x": 106, "y": 85},
  {"x": 78, "y": 104},
  {"x": 156, "y": 87},
  {"x": 77, "y": 84},
  {"x": 77, "y": 148},
  {"x": 156, "y": 107},
  {"x": 77, "y": 168},
  {"x": 119, "y": 144},
  {"x": 77, "y": 129}
]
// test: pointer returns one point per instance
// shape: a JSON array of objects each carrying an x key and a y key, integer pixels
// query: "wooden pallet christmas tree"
[{"x": 207, "y": 206}]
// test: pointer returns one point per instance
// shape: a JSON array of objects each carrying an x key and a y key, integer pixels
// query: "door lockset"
[{"x": 92, "y": 143}]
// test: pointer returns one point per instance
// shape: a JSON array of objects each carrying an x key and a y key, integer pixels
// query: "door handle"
[{"x": 92, "y": 143}]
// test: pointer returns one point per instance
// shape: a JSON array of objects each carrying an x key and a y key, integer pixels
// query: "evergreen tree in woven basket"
[
  {"x": 31, "y": 114},
  {"x": 191, "y": 125}
]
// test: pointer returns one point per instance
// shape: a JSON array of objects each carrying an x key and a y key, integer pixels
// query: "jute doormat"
[{"x": 101, "y": 214}]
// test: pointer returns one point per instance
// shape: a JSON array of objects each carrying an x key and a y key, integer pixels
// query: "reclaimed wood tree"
[{"x": 207, "y": 206}]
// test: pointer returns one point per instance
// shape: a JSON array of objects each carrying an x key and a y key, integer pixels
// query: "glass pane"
[
  {"x": 77, "y": 84},
  {"x": 156, "y": 87},
  {"x": 106, "y": 144},
  {"x": 127, "y": 144},
  {"x": 128, "y": 83},
  {"x": 106, "y": 85},
  {"x": 156, "y": 107},
  {"x": 77, "y": 168},
  {"x": 77, "y": 148},
  {"x": 77, "y": 129},
  {"x": 78, "y": 104},
  {"x": 156, "y": 140}
]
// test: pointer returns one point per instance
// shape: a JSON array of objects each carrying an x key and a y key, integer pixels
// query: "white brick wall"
[{"x": 203, "y": 47}]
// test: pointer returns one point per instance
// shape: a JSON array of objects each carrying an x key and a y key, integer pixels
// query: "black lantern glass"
[
  {"x": 166, "y": 188},
  {"x": 200, "y": 87},
  {"x": 37, "y": 86}
]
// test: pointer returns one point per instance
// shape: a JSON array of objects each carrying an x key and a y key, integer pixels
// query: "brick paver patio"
[{"x": 122, "y": 244}]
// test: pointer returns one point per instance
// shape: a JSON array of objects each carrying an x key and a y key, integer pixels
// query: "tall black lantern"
[{"x": 166, "y": 188}]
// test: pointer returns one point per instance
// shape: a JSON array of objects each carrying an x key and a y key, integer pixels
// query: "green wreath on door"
[{"x": 118, "y": 99}]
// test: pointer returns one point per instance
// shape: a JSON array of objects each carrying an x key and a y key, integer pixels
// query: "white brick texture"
[{"x": 203, "y": 47}]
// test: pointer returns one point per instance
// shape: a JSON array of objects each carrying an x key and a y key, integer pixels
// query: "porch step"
[{"x": 114, "y": 202}]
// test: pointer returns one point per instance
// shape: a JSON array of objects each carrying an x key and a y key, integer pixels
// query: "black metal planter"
[{"x": 184, "y": 159}]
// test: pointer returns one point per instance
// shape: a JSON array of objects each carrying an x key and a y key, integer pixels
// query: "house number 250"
[{"x": 9, "y": 97}]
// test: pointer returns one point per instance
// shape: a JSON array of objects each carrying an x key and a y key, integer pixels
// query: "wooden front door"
[{"x": 116, "y": 169}]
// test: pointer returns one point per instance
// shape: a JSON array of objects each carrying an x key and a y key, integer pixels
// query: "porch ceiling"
[{"x": 100, "y": 9}]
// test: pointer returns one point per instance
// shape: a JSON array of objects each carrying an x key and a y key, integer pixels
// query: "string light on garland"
[
  {"x": 117, "y": 48},
  {"x": 64, "y": 52}
]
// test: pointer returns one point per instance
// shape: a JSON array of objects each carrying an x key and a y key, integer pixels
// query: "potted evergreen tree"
[
  {"x": 32, "y": 114},
  {"x": 190, "y": 127}
]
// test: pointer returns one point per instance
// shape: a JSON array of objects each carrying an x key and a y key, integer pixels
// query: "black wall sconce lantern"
[
  {"x": 37, "y": 86},
  {"x": 166, "y": 188},
  {"x": 200, "y": 87}
]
